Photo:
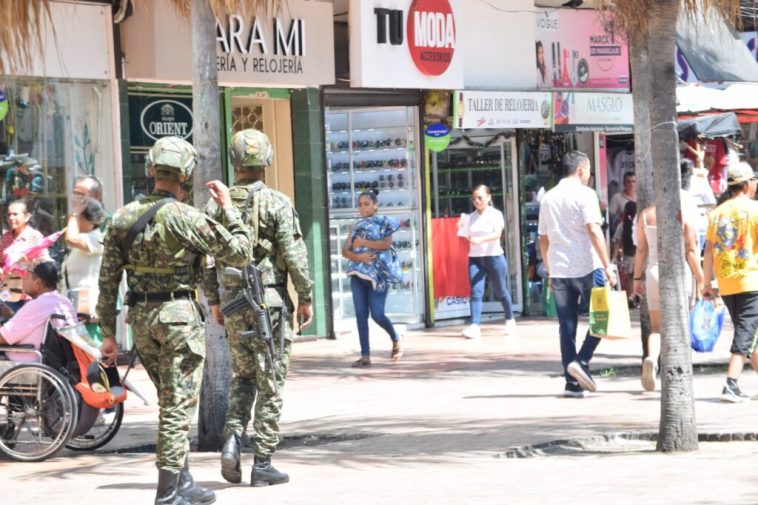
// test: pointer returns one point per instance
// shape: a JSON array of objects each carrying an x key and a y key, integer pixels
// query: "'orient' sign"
[
  {"x": 431, "y": 35},
  {"x": 406, "y": 43},
  {"x": 166, "y": 118}
]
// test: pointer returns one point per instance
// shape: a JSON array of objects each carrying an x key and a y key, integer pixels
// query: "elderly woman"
[
  {"x": 81, "y": 267},
  {"x": 20, "y": 236}
]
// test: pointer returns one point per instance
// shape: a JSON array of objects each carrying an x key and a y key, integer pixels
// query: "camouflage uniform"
[
  {"x": 169, "y": 335},
  {"x": 279, "y": 250}
]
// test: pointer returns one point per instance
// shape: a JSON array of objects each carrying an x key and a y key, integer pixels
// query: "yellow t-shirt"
[{"x": 733, "y": 231}]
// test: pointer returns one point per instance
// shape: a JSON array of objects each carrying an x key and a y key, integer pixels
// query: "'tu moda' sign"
[
  {"x": 406, "y": 43},
  {"x": 431, "y": 35}
]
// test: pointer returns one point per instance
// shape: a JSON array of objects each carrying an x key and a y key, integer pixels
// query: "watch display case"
[{"x": 374, "y": 149}]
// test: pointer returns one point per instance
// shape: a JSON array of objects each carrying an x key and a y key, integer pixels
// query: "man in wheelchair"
[{"x": 29, "y": 324}]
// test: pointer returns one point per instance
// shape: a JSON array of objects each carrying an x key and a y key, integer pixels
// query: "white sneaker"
[
  {"x": 472, "y": 332},
  {"x": 510, "y": 327},
  {"x": 648, "y": 374}
]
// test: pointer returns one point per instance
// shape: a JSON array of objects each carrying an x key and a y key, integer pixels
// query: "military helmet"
[
  {"x": 172, "y": 153},
  {"x": 250, "y": 148}
]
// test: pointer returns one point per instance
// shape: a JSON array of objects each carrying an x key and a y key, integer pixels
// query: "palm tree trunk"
[
  {"x": 642, "y": 92},
  {"x": 207, "y": 137},
  {"x": 678, "y": 431}
]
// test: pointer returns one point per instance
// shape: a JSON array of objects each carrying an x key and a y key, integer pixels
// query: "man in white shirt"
[
  {"x": 574, "y": 251},
  {"x": 620, "y": 199}
]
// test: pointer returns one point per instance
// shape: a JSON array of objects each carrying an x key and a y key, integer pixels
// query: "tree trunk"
[
  {"x": 642, "y": 93},
  {"x": 206, "y": 134},
  {"x": 678, "y": 431}
]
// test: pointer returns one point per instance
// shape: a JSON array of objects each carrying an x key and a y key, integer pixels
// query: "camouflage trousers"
[
  {"x": 252, "y": 382},
  {"x": 170, "y": 339}
]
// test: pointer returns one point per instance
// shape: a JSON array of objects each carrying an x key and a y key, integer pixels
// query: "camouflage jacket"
[
  {"x": 279, "y": 246},
  {"x": 174, "y": 240}
]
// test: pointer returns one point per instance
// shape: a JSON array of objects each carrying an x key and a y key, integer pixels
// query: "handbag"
[
  {"x": 706, "y": 321},
  {"x": 609, "y": 314}
]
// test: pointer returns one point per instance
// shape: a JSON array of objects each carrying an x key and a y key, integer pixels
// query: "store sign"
[
  {"x": 293, "y": 47},
  {"x": 586, "y": 111},
  {"x": 406, "y": 44},
  {"x": 492, "y": 109},
  {"x": 437, "y": 137},
  {"x": 581, "y": 49},
  {"x": 3, "y": 105},
  {"x": 152, "y": 117}
]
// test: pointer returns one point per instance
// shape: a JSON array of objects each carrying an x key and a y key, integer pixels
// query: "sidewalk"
[{"x": 434, "y": 428}]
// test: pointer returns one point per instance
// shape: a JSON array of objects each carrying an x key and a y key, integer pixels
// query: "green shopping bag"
[
  {"x": 548, "y": 301},
  {"x": 609, "y": 314}
]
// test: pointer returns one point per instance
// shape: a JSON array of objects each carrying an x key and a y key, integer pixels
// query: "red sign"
[{"x": 431, "y": 35}]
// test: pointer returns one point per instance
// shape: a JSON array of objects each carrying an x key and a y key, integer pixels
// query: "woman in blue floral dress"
[{"x": 372, "y": 267}]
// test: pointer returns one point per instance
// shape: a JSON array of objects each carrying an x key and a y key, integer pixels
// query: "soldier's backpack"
[{"x": 627, "y": 232}]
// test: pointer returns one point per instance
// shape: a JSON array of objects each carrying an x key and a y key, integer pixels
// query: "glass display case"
[
  {"x": 481, "y": 157},
  {"x": 375, "y": 149}
]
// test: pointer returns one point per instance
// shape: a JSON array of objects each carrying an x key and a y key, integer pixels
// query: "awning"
[
  {"x": 714, "y": 50},
  {"x": 711, "y": 126},
  {"x": 739, "y": 97}
]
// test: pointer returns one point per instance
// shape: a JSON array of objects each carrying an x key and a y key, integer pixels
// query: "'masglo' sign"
[{"x": 406, "y": 43}]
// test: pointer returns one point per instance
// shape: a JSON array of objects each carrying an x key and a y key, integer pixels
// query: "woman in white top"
[
  {"x": 486, "y": 259},
  {"x": 81, "y": 268},
  {"x": 647, "y": 258}
]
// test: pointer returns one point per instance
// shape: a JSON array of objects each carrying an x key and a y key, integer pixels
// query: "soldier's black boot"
[
  {"x": 190, "y": 491},
  {"x": 168, "y": 480},
  {"x": 230, "y": 460},
  {"x": 264, "y": 473}
]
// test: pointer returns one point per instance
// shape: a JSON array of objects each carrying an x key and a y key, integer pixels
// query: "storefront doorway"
[{"x": 474, "y": 157}]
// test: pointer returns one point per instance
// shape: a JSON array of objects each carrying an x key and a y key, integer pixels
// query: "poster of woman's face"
[{"x": 541, "y": 67}]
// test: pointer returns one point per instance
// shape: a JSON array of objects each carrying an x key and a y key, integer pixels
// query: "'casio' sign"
[{"x": 430, "y": 32}]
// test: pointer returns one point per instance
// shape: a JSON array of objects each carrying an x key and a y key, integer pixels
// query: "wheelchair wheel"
[
  {"x": 105, "y": 428},
  {"x": 38, "y": 412}
]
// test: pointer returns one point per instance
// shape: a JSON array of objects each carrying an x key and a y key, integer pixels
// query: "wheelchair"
[{"x": 54, "y": 403}]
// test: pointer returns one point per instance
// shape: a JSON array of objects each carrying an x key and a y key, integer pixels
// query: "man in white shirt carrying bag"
[{"x": 575, "y": 255}]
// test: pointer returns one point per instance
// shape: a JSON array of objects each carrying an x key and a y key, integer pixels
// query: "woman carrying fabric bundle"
[{"x": 372, "y": 267}]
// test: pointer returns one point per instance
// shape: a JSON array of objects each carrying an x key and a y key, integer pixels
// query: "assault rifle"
[{"x": 252, "y": 294}]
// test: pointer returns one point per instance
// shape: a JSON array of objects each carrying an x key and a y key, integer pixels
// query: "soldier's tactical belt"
[
  {"x": 280, "y": 285},
  {"x": 158, "y": 270},
  {"x": 133, "y": 298}
]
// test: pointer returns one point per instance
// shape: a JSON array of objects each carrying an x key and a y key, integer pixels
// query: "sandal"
[
  {"x": 362, "y": 362},
  {"x": 397, "y": 351}
]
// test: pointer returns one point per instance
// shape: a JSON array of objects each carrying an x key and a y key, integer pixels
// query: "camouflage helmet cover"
[
  {"x": 250, "y": 148},
  {"x": 173, "y": 153}
]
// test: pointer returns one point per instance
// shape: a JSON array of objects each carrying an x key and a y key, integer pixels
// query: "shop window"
[{"x": 54, "y": 131}]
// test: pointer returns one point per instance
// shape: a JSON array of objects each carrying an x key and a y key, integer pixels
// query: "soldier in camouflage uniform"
[
  {"x": 163, "y": 265},
  {"x": 279, "y": 250}
]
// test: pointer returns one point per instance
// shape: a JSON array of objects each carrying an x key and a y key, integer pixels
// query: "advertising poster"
[{"x": 580, "y": 49}]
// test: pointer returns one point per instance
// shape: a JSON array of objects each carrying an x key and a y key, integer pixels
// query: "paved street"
[{"x": 435, "y": 428}]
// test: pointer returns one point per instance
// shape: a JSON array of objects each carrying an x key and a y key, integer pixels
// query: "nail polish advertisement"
[{"x": 587, "y": 50}]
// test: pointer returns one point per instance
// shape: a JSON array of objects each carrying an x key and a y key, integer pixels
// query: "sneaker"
[
  {"x": 648, "y": 374},
  {"x": 574, "y": 391},
  {"x": 581, "y": 372},
  {"x": 472, "y": 332},
  {"x": 362, "y": 362},
  {"x": 733, "y": 394},
  {"x": 510, "y": 327}
]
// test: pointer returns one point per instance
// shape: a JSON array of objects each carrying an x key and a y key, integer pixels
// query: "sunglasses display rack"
[{"x": 374, "y": 149}]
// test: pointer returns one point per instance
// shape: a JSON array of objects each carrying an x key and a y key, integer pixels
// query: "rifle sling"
[{"x": 141, "y": 223}]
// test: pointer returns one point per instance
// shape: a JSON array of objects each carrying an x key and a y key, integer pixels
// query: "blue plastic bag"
[{"x": 706, "y": 320}]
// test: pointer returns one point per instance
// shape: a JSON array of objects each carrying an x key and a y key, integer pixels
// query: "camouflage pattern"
[
  {"x": 169, "y": 336},
  {"x": 172, "y": 152},
  {"x": 250, "y": 148},
  {"x": 279, "y": 251}
]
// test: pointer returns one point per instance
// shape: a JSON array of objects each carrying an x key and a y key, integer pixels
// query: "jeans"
[
  {"x": 572, "y": 297},
  {"x": 479, "y": 269},
  {"x": 366, "y": 300}
]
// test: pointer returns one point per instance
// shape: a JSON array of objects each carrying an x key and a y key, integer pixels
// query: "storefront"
[
  {"x": 268, "y": 73},
  {"x": 57, "y": 118}
]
